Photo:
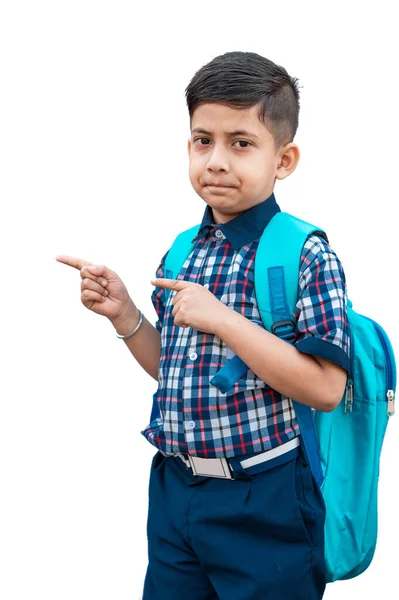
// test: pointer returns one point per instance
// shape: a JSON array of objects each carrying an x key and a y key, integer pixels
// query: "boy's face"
[{"x": 247, "y": 165}]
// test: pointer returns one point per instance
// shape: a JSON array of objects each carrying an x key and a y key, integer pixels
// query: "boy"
[{"x": 250, "y": 524}]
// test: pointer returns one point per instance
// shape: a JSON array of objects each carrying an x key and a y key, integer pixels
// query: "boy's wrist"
[
  {"x": 224, "y": 320},
  {"x": 127, "y": 322}
]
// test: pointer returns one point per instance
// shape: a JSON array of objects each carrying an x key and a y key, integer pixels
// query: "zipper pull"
[
  {"x": 391, "y": 403},
  {"x": 349, "y": 397}
]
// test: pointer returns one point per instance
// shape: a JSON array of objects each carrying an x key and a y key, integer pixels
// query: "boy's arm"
[
  {"x": 146, "y": 342},
  {"x": 313, "y": 370},
  {"x": 304, "y": 378}
]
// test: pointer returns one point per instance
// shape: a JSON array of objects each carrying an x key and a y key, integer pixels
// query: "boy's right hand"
[{"x": 102, "y": 290}]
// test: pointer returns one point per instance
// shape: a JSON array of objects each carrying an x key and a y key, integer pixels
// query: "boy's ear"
[
  {"x": 288, "y": 161},
  {"x": 188, "y": 146}
]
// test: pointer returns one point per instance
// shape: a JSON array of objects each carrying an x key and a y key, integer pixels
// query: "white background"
[{"x": 94, "y": 130}]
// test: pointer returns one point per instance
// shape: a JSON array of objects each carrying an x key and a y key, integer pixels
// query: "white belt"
[{"x": 219, "y": 467}]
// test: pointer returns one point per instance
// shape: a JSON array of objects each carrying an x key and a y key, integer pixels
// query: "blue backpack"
[{"x": 343, "y": 446}]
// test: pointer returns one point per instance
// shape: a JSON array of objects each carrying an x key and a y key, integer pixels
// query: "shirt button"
[
  {"x": 206, "y": 285},
  {"x": 193, "y": 355},
  {"x": 218, "y": 233},
  {"x": 190, "y": 424}
]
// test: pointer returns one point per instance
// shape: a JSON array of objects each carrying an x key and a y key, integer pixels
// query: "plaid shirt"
[{"x": 196, "y": 417}]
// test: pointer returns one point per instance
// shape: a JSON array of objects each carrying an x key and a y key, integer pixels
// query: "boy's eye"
[
  {"x": 201, "y": 140},
  {"x": 243, "y": 142}
]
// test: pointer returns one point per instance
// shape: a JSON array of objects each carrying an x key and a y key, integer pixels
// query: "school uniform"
[{"x": 250, "y": 524}]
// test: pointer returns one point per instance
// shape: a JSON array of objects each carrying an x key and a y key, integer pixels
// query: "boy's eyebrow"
[{"x": 228, "y": 133}]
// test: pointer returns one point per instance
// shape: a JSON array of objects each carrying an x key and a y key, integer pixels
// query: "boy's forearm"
[
  {"x": 144, "y": 344},
  {"x": 279, "y": 364}
]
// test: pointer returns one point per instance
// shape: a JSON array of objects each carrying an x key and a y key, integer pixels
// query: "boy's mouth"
[{"x": 218, "y": 185}]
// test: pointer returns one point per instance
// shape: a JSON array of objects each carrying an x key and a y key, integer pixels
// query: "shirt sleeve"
[
  {"x": 322, "y": 327},
  {"x": 158, "y": 295}
]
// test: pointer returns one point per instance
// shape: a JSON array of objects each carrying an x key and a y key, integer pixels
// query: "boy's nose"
[{"x": 218, "y": 160}]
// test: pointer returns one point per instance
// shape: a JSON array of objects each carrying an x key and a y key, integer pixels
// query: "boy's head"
[{"x": 244, "y": 93}]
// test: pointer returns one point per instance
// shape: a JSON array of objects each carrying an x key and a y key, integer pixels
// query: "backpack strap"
[
  {"x": 278, "y": 256},
  {"x": 178, "y": 254}
]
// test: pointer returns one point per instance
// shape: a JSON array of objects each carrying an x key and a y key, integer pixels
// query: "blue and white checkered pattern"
[{"x": 196, "y": 417}]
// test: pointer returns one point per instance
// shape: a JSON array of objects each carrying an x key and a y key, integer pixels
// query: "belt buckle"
[{"x": 219, "y": 467}]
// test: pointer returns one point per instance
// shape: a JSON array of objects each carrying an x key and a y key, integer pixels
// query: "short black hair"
[{"x": 246, "y": 79}]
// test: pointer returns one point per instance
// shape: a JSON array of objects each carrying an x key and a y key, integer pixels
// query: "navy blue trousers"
[{"x": 256, "y": 538}]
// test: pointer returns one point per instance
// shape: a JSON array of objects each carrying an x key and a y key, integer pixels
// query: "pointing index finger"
[
  {"x": 72, "y": 261},
  {"x": 171, "y": 284}
]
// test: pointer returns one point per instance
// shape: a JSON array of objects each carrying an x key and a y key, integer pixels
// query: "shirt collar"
[{"x": 247, "y": 226}]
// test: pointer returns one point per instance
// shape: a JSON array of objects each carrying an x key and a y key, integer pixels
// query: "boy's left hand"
[{"x": 194, "y": 305}]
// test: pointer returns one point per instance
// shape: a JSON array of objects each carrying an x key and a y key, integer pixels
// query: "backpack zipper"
[
  {"x": 391, "y": 403},
  {"x": 349, "y": 396},
  {"x": 349, "y": 383}
]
